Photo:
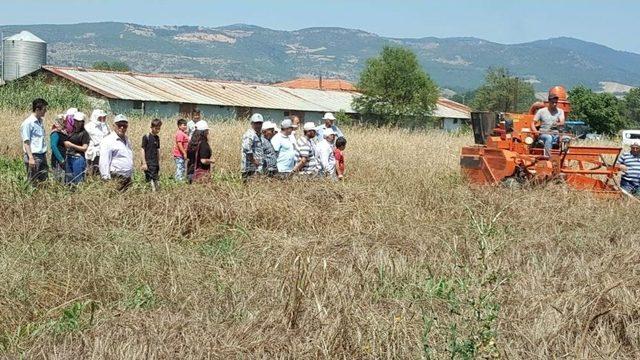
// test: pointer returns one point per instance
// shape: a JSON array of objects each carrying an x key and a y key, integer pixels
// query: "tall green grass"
[{"x": 59, "y": 93}]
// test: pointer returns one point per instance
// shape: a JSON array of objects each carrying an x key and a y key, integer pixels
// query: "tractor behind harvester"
[{"x": 507, "y": 151}]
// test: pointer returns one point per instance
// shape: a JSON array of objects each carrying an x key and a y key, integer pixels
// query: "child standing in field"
[
  {"x": 341, "y": 144},
  {"x": 151, "y": 154},
  {"x": 180, "y": 149}
]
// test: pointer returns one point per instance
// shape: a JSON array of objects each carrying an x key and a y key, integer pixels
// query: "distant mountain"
[{"x": 251, "y": 53}]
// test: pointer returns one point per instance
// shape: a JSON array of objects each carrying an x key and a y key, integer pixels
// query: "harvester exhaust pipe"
[{"x": 483, "y": 123}]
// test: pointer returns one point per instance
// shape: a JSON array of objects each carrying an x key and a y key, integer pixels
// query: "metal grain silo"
[{"x": 23, "y": 54}]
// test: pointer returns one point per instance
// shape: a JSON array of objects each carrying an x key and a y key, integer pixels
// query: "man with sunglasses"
[
  {"x": 116, "y": 155},
  {"x": 549, "y": 117}
]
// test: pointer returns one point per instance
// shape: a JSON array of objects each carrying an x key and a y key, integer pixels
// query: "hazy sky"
[{"x": 610, "y": 22}]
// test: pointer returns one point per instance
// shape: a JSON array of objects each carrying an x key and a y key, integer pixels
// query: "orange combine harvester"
[{"x": 507, "y": 150}]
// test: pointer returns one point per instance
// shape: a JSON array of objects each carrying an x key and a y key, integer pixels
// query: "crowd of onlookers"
[{"x": 80, "y": 147}]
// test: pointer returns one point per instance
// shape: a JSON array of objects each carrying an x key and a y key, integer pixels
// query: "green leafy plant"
[
  {"x": 71, "y": 319},
  {"x": 142, "y": 297}
]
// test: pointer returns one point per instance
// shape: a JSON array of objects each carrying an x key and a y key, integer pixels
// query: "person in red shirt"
[
  {"x": 180, "y": 149},
  {"x": 341, "y": 144}
]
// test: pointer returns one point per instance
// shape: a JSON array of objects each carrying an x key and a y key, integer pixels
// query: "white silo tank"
[{"x": 23, "y": 54}]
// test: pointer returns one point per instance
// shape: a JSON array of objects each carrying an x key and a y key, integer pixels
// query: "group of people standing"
[
  {"x": 79, "y": 148},
  {"x": 282, "y": 152}
]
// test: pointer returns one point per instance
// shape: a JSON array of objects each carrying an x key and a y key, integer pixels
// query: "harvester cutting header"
[{"x": 528, "y": 148}]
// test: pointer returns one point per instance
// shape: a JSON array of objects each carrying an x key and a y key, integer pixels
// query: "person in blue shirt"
[
  {"x": 629, "y": 163},
  {"x": 285, "y": 150},
  {"x": 34, "y": 142},
  {"x": 329, "y": 123}
]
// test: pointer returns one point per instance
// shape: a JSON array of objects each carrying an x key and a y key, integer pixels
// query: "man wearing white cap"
[
  {"x": 326, "y": 154},
  {"x": 269, "y": 159},
  {"x": 629, "y": 163},
  {"x": 306, "y": 152},
  {"x": 252, "y": 152},
  {"x": 97, "y": 129},
  {"x": 284, "y": 148},
  {"x": 329, "y": 123},
  {"x": 116, "y": 155}
]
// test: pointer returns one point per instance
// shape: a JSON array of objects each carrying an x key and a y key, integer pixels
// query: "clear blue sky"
[{"x": 610, "y": 22}]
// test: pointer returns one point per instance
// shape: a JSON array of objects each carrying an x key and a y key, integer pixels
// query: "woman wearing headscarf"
[
  {"x": 68, "y": 120},
  {"x": 199, "y": 154},
  {"x": 97, "y": 129},
  {"x": 58, "y": 137},
  {"x": 76, "y": 144}
]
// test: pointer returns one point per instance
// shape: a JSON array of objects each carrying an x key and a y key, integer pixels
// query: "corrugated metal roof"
[
  {"x": 446, "y": 108},
  {"x": 167, "y": 88}
]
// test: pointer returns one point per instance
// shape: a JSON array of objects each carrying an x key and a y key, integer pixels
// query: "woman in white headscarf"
[{"x": 97, "y": 129}]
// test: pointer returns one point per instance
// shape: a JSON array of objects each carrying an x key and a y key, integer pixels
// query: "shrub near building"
[{"x": 59, "y": 93}]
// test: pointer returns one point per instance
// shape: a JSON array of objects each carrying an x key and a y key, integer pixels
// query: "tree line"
[{"x": 398, "y": 92}]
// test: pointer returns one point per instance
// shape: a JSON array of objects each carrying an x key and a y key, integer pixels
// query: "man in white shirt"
[
  {"x": 326, "y": 154},
  {"x": 34, "y": 142},
  {"x": 116, "y": 155},
  {"x": 97, "y": 129},
  {"x": 191, "y": 125}
]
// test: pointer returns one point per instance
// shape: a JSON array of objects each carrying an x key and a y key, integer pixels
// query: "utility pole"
[{"x": 515, "y": 105}]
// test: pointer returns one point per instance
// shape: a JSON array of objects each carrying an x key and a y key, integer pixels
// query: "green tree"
[
  {"x": 113, "y": 66},
  {"x": 465, "y": 98},
  {"x": 396, "y": 90},
  {"x": 503, "y": 92},
  {"x": 601, "y": 111},
  {"x": 632, "y": 106}
]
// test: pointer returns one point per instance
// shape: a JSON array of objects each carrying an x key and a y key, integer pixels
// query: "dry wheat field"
[{"x": 401, "y": 260}]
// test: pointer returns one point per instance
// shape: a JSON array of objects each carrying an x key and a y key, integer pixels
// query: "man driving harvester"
[{"x": 549, "y": 117}]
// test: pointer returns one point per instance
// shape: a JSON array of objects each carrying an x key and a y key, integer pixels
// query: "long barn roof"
[{"x": 167, "y": 88}]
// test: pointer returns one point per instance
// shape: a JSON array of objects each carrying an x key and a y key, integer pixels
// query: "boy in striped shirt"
[{"x": 629, "y": 163}]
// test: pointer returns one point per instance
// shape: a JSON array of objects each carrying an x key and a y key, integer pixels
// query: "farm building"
[
  {"x": 452, "y": 115},
  {"x": 168, "y": 96}
]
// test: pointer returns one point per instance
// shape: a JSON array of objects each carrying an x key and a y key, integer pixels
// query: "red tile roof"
[{"x": 327, "y": 84}]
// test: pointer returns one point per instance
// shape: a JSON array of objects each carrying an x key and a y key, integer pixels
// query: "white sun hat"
[
  {"x": 268, "y": 125},
  {"x": 286, "y": 124},
  {"x": 329, "y": 116},
  {"x": 79, "y": 116},
  {"x": 257, "y": 118},
  {"x": 309, "y": 126},
  {"x": 120, "y": 118},
  {"x": 328, "y": 132}
]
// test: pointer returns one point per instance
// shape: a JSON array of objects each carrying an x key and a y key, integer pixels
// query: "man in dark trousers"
[
  {"x": 151, "y": 154},
  {"x": 34, "y": 143}
]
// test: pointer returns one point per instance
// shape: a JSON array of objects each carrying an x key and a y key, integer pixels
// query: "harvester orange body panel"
[{"x": 506, "y": 150}]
